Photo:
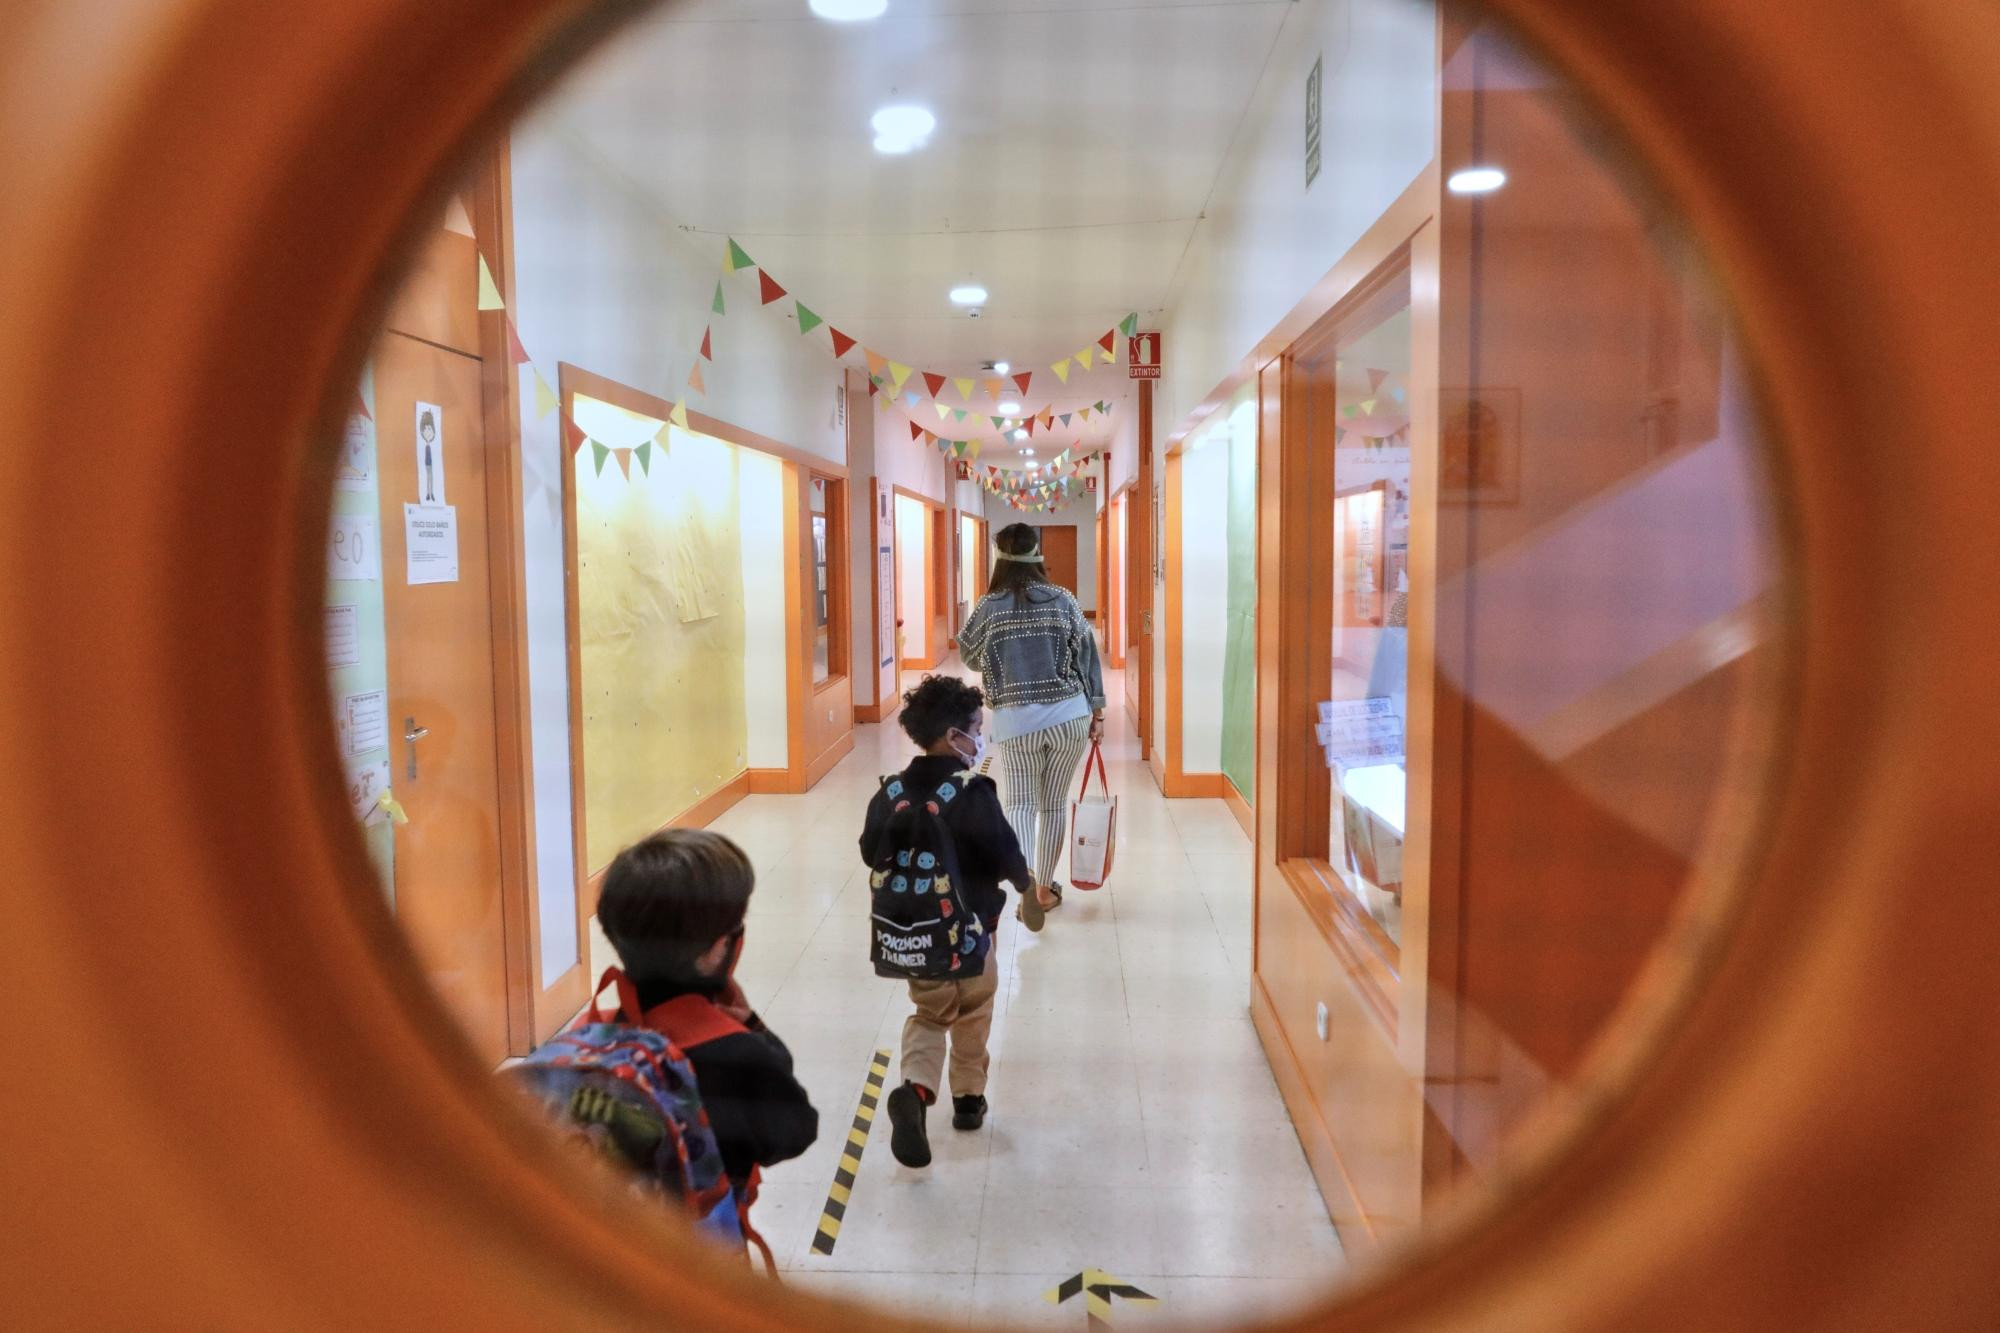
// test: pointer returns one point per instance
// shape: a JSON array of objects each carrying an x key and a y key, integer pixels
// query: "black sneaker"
[
  {"x": 908, "y": 1139},
  {"x": 968, "y": 1112}
]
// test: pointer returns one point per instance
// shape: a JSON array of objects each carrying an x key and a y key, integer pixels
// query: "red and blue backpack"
[{"x": 630, "y": 1067}]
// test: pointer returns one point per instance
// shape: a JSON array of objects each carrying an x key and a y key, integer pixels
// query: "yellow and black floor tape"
[{"x": 850, "y": 1156}]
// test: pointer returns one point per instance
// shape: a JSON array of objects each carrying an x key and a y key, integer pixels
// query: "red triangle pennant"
[
  {"x": 1023, "y": 378},
  {"x": 624, "y": 457},
  {"x": 916, "y": 431},
  {"x": 772, "y": 291},
  {"x": 873, "y": 388},
  {"x": 842, "y": 344},
  {"x": 1108, "y": 341},
  {"x": 935, "y": 383},
  {"x": 1032, "y": 423},
  {"x": 573, "y": 433},
  {"x": 514, "y": 347},
  {"x": 707, "y": 347}
]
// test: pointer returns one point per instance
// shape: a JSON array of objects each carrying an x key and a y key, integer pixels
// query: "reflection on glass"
[{"x": 822, "y": 641}]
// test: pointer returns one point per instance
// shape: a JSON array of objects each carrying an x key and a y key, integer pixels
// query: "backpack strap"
[
  {"x": 628, "y": 998},
  {"x": 689, "y": 1021}
]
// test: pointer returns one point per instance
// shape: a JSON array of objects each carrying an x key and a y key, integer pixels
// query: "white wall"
[
  {"x": 1204, "y": 597},
  {"x": 1267, "y": 238},
  {"x": 604, "y": 283},
  {"x": 911, "y": 520},
  {"x": 761, "y": 496}
]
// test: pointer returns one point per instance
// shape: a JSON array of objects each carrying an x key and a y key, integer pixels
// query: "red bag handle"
[{"x": 1096, "y": 757}]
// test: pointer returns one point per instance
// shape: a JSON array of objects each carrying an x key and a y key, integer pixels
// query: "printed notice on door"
[
  {"x": 365, "y": 784},
  {"x": 364, "y": 721},
  {"x": 430, "y": 536},
  {"x": 430, "y": 454}
]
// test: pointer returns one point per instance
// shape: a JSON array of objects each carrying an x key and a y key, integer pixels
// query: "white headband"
[{"x": 1033, "y": 557}]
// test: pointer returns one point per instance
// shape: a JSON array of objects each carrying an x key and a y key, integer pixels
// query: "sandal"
[{"x": 1030, "y": 912}]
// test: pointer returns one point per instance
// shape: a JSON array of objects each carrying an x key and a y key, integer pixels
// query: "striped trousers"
[{"x": 1038, "y": 769}]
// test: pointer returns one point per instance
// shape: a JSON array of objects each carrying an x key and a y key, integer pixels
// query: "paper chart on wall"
[
  {"x": 430, "y": 454},
  {"x": 364, "y": 721},
  {"x": 352, "y": 549},
  {"x": 343, "y": 637},
  {"x": 355, "y": 470},
  {"x": 365, "y": 784}
]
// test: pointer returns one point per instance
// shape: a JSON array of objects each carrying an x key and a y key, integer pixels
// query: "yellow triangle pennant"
[
  {"x": 545, "y": 398},
  {"x": 964, "y": 390},
  {"x": 489, "y": 291},
  {"x": 943, "y": 411},
  {"x": 1061, "y": 368},
  {"x": 679, "y": 416},
  {"x": 973, "y": 450},
  {"x": 897, "y": 374},
  {"x": 1083, "y": 357}
]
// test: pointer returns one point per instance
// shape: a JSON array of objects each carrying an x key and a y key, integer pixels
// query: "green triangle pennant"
[
  {"x": 808, "y": 321},
  {"x": 718, "y": 307},
  {"x": 644, "y": 453},
  {"x": 739, "y": 258},
  {"x": 599, "y": 453},
  {"x": 959, "y": 415},
  {"x": 1128, "y": 326},
  {"x": 999, "y": 422}
]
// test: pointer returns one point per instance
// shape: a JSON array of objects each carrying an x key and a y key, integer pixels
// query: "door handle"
[{"x": 412, "y": 733}]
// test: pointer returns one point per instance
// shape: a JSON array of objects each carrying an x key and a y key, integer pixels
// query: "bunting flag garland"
[
  {"x": 599, "y": 453},
  {"x": 771, "y": 290},
  {"x": 942, "y": 410},
  {"x": 695, "y": 381},
  {"x": 624, "y": 457},
  {"x": 992, "y": 388},
  {"x": 1023, "y": 379},
  {"x": 644, "y": 453},
  {"x": 808, "y": 321},
  {"x": 707, "y": 344},
  {"x": 876, "y": 364},
  {"x": 1375, "y": 378},
  {"x": 361, "y": 404},
  {"x": 959, "y": 413},
  {"x": 874, "y": 387},
  {"x": 898, "y": 373},
  {"x": 964, "y": 390},
  {"x": 515, "y": 348},
  {"x": 1065, "y": 418},
  {"x": 1130, "y": 326},
  {"x": 573, "y": 433},
  {"x": 718, "y": 307},
  {"x": 489, "y": 291},
  {"x": 679, "y": 416},
  {"x": 1061, "y": 369},
  {"x": 1108, "y": 342},
  {"x": 916, "y": 431},
  {"x": 934, "y": 382},
  {"x": 842, "y": 344},
  {"x": 739, "y": 259}
]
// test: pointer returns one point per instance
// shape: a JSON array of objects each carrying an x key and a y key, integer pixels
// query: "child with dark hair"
[
  {"x": 943, "y": 716},
  {"x": 673, "y": 907}
]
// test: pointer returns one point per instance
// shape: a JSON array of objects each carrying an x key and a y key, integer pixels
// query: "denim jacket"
[{"x": 1039, "y": 651}]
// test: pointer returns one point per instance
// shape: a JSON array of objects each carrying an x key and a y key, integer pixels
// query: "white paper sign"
[
  {"x": 430, "y": 537},
  {"x": 886, "y": 579},
  {"x": 365, "y": 720},
  {"x": 343, "y": 637},
  {"x": 430, "y": 454},
  {"x": 355, "y": 471},
  {"x": 365, "y": 785},
  {"x": 352, "y": 548},
  {"x": 1360, "y": 731}
]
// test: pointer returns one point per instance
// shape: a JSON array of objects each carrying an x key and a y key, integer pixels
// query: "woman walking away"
[{"x": 1037, "y": 661}]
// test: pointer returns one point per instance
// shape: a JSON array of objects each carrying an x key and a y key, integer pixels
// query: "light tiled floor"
[{"x": 1135, "y": 1126}]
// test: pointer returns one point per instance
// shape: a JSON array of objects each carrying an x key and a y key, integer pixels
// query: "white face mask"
[{"x": 978, "y": 749}]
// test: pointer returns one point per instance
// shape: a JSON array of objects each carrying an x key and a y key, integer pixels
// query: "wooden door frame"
[
  {"x": 805, "y": 762},
  {"x": 933, "y": 652},
  {"x": 570, "y": 381},
  {"x": 1139, "y": 583},
  {"x": 1117, "y": 612}
]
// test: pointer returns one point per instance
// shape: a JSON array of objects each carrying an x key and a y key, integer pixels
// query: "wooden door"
[
  {"x": 939, "y": 542},
  {"x": 441, "y": 687},
  {"x": 1059, "y": 555}
]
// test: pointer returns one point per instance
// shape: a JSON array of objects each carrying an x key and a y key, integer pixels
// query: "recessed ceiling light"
[
  {"x": 1001, "y": 368},
  {"x": 1009, "y": 409},
  {"x": 972, "y": 294},
  {"x": 1476, "y": 180},
  {"x": 1022, "y": 435},
  {"x": 898, "y": 129},
  {"x": 849, "y": 11}
]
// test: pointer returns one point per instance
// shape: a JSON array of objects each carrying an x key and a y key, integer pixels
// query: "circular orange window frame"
[{"x": 232, "y": 1102}]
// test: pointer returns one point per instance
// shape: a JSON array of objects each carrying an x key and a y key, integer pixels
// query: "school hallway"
[{"x": 1134, "y": 1126}]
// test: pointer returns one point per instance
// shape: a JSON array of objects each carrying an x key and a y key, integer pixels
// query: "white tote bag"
[{"x": 1093, "y": 825}]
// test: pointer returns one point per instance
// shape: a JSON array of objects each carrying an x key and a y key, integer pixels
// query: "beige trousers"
[{"x": 962, "y": 1009}]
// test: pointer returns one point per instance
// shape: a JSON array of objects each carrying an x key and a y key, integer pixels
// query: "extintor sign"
[{"x": 1143, "y": 353}]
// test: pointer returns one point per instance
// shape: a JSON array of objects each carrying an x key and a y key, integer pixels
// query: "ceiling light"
[
  {"x": 849, "y": 11},
  {"x": 1022, "y": 435},
  {"x": 1010, "y": 409},
  {"x": 1476, "y": 180},
  {"x": 1001, "y": 368},
  {"x": 970, "y": 295},
  {"x": 898, "y": 129}
]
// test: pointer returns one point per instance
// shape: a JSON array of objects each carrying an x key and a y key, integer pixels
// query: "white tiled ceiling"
[{"x": 1076, "y": 146}]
